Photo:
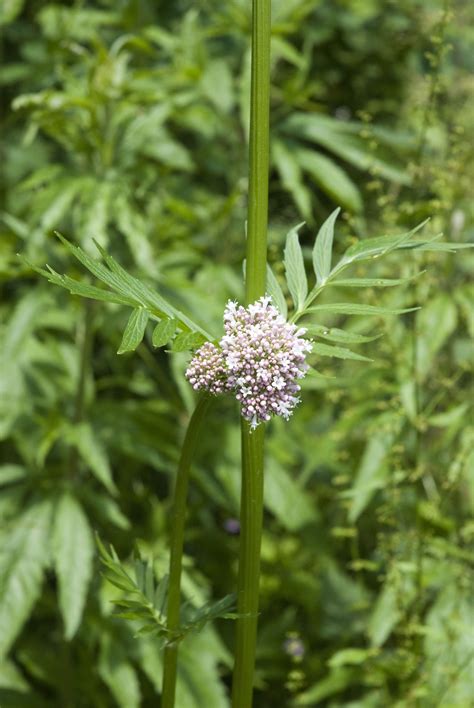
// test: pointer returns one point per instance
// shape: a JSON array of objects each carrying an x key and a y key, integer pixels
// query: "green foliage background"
[{"x": 126, "y": 122}]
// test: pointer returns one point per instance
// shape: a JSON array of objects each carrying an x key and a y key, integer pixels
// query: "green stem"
[
  {"x": 258, "y": 152},
  {"x": 251, "y": 515},
  {"x": 176, "y": 551},
  {"x": 253, "y": 441}
]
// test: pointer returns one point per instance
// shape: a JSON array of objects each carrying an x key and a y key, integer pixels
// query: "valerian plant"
[{"x": 258, "y": 360}]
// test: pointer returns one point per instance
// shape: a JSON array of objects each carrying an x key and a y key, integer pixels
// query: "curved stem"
[
  {"x": 253, "y": 441},
  {"x": 176, "y": 551}
]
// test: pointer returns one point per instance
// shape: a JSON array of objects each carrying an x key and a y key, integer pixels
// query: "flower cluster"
[{"x": 259, "y": 359}]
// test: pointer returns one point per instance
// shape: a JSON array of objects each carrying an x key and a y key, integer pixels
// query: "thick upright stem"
[
  {"x": 249, "y": 564},
  {"x": 253, "y": 441},
  {"x": 176, "y": 551},
  {"x": 258, "y": 152}
]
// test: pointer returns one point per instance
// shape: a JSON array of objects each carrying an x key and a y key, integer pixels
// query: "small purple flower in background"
[
  {"x": 294, "y": 647},
  {"x": 260, "y": 359},
  {"x": 232, "y": 526}
]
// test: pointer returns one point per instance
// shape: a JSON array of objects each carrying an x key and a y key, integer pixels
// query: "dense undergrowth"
[{"x": 126, "y": 123}]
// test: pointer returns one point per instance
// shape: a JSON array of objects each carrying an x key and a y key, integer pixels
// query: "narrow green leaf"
[
  {"x": 23, "y": 557},
  {"x": 380, "y": 245},
  {"x": 186, "y": 341},
  {"x": 385, "y": 615},
  {"x": 163, "y": 332},
  {"x": 134, "y": 331},
  {"x": 372, "y": 282},
  {"x": 275, "y": 292},
  {"x": 93, "y": 454},
  {"x": 330, "y": 177},
  {"x": 349, "y": 308},
  {"x": 292, "y": 177},
  {"x": 322, "y": 250},
  {"x": 372, "y": 473},
  {"x": 295, "y": 270},
  {"x": 73, "y": 551},
  {"x": 339, "y": 335},
  {"x": 337, "y": 352}
]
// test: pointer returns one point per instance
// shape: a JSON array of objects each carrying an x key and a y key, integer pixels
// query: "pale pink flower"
[{"x": 260, "y": 359}]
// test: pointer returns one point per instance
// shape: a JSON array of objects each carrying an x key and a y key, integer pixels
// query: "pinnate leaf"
[
  {"x": 23, "y": 556},
  {"x": 73, "y": 550}
]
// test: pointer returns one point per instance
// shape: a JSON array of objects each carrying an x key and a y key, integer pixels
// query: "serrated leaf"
[
  {"x": 337, "y": 352},
  {"x": 117, "y": 278},
  {"x": 163, "y": 332},
  {"x": 295, "y": 270},
  {"x": 330, "y": 177},
  {"x": 334, "y": 334},
  {"x": 275, "y": 292},
  {"x": 349, "y": 308},
  {"x": 23, "y": 556},
  {"x": 73, "y": 551},
  {"x": 134, "y": 331},
  {"x": 187, "y": 340},
  {"x": 322, "y": 250}
]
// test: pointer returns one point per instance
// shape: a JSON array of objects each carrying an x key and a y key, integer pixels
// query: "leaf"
[
  {"x": 434, "y": 326},
  {"x": 291, "y": 177},
  {"x": 93, "y": 454},
  {"x": 385, "y": 616},
  {"x": 339, "y": 335},
  {"x": 322, "y": 250},
  {"x": 337, "y": 680},
  {"x": 286, "y": 500},
  {"x": 186, "y": 341},
  {"x": 349, "y": 308},
  {"x": 337, "y": 352},
  {"x": 371, "y": 474},
  {"x": 121, "y": 282},
  {"x": 340, "y": 138},
  {"x": 134, "y": 331},
  {"x": 217, "y": 73},
  {"x": 77, "y": 287},
  {"x": 73, "y": 551},
  {"x": 23, "y": 556},
  {"x": 118, "y": 673},
  {"x": 380, "y": 245},
  {"x": 351, "y": 656},
  {"x": 163, "y": 332},
  {"x": 331, "y": 178},
  {"x": 275, "y": 292},
  {"x": 9, "y": 10},
  {"x": 372, "y": 282},
  {"x": 295, "y": 270}
]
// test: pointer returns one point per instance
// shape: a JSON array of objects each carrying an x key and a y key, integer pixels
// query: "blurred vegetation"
[{"x": 126, "y": 122}]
